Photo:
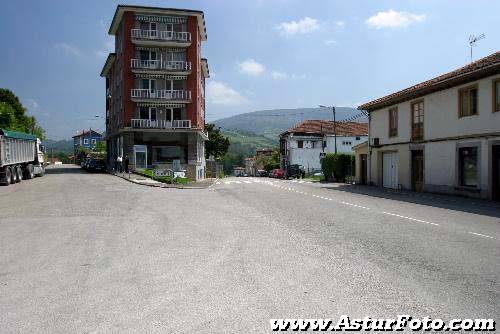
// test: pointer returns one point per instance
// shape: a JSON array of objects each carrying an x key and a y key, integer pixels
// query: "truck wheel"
[
  {"x": 7, "y": 178},
  {"x": 28, "y": 172},
  {"x": 19, "y": 174},
  {"x": 12, "y": 175}
]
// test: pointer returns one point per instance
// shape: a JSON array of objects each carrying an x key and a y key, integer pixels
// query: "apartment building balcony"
[
  {"x": 145, "y": 95},
  {"x": 161, "y": 38},
  {"x": 161, "y": 124},
  {"x": 172, "y": 67}
]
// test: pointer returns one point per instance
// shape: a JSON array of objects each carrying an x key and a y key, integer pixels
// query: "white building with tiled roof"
[
  {"x": 306, "y": 143},
  {"x": 442, "y": 135}
]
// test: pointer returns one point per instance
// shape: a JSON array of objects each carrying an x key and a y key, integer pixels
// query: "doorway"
[
  {"x": 495, "y": 172},
  {"x": 390, "y": 167},
  {"x": 140, "y": 156},
  {"x": 417, "y": 170},
  {"x": 363, "y": 169}
]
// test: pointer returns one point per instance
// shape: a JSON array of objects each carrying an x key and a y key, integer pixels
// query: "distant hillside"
[
  {"x": 270, "y": 123},
  {"x": 248, "y": 138},
  {"x": 65, "y": 146}
]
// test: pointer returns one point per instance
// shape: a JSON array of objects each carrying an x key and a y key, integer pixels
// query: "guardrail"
[
  {"x": 181, "y": 36},
  {"x": 160, "y": 65},
  {"x": 161, "y": 124},
  {"x": 184, "y": 95}
]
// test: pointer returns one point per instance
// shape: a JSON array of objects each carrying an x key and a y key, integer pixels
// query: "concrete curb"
[{"x": 164, "y": 185}]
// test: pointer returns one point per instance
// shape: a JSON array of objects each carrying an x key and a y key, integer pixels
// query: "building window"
[
  {"x": 496, "y": 95},
  {"x": 468, "y": 164},
  {"x": 85, "y": 141},
  {"x": 93, "y": 141},
  {"x": 393, "y": 122},
  {"x": 300, "y": 144},
  {"x": 417, "y": 120},
  {"x": 468, "y": 101}
]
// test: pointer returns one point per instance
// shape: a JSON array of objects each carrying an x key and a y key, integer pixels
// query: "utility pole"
[{"x": 334, "y": 126}]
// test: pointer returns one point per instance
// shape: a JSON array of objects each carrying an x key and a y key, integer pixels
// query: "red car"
[{"x": 278, "y": 173}]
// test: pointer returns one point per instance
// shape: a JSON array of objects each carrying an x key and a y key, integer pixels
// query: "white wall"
[
  {"x": 441, "y": 115},
  {"x": 309, "y": 156},
  {"x": 441, "y": 121}
]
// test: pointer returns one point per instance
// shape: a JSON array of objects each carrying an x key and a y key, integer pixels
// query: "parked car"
[
  {"x": 294, "y": 172},
  {"x": 95, "y": 164},
  {"x": 261, "y": 173},
  {"x": 279, "y": 173}
]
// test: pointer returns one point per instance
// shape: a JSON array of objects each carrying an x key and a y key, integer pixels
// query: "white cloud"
[
  {"x": 340, "y": 24},
  {"x": 278, "y": 75},
  {"x": 330, "y": 42},
  {"x": 32, "y": 104},
  {"x": 251, "y": 67},
  {"x": 220, "y": 93},
  {"x": 393, "y": 19},
  {"x": 109, "y": 46},
  {"x": 68, "y": 48},
  {"x": 306, "y": 25}
]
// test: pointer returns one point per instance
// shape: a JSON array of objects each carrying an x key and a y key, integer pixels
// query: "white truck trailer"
[{"x": 21, "y": 157}]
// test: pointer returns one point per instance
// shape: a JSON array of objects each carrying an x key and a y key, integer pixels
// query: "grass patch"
[{"x": 165, "y": 179}]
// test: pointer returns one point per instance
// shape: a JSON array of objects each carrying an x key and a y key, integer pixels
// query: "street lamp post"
[{"x": 334, "y": 126}]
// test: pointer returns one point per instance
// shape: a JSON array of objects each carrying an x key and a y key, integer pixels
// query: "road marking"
[
  {"x": 247, "y": 181},
  {"x": 483, "y": 235},
  {"x": 355, "y": 205},
  {"x": 409, "y": 218}
]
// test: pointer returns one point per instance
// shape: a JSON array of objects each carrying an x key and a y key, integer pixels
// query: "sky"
[{"x": 262, "y": 54}]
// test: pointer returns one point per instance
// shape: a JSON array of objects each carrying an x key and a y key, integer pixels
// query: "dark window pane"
[
  {"x": 473, "y": 101},
  {"x": 497, "y": 96},
  {"x": 144, "y": 113},
  {"x": 468, "y": 166}
]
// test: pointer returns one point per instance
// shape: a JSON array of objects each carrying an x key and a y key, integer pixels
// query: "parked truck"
[{"x": 21, "y": 157}]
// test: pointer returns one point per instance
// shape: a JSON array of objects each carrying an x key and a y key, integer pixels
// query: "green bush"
[{"x": 336, "y": 167}]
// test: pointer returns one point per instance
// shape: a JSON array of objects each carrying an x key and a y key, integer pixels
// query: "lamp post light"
[{"x": 334, "y": 126}]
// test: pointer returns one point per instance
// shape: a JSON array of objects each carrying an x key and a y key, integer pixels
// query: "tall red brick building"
[{"x": 155, "y": 89}]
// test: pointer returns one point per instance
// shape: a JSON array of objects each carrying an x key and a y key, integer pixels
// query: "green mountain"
[
  {"x": 249, "y": 138},
  {"x": 64, "y": 146},
  {"x": 270, "y": 123}
]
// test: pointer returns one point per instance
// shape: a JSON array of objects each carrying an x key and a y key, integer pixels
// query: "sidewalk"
[{"x": 145, "y": 181}]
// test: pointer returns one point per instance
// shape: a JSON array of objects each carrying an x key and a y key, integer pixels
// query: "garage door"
[{"x": 391, "y": 170}]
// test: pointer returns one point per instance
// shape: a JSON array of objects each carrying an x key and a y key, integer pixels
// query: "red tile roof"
[
  {"x": 481, "y": 68},
  {"x": 327, "y": 127}
]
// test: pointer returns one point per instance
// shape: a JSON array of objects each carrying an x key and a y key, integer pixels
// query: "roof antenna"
[{"x": 472, "y": 42}]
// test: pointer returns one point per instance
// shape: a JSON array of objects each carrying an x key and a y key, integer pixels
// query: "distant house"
[
  {"x": 87, "y": 139},
  {"x": 264, "y": 152},
  {"x": 250, "y": 166},
  {"x": 239, "y": 171},
  {"x": 306, "y": 143},
  {"x": 441, "y": 135}
]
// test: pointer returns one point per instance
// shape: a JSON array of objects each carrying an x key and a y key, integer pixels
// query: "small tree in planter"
[{"x": 336, "y": 166}]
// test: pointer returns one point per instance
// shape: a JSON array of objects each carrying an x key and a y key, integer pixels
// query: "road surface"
[{"x": 93, "y": 253}]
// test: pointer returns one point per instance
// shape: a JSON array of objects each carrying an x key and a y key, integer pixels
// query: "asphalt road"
[{"x": 92, "y": 253}]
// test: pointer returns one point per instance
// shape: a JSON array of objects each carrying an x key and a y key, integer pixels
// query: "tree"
[
  {"x": 100, "y": 146},
  {"x": 13, "y": 115},
  {"x": 336, "y": 167},
  {"x": 217, "y": 144}
]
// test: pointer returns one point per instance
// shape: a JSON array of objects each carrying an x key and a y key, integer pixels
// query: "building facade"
[
  {"x": 87, "y": 139},
  {"x": 306, "y": 143},
  {"x": 155, "y": 89},
  {"x": 442, "y": 135}
]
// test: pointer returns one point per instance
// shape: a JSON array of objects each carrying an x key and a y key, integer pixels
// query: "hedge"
[{"x": 336, "y": 167}]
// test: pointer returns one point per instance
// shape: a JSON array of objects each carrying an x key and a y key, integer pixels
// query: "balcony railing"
[
  {"x": 161, "y": 65},
  {"x": 184, "y": 95},
  {"x": 182, "y": 36},
  {"x": 161, "y": 124}
]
